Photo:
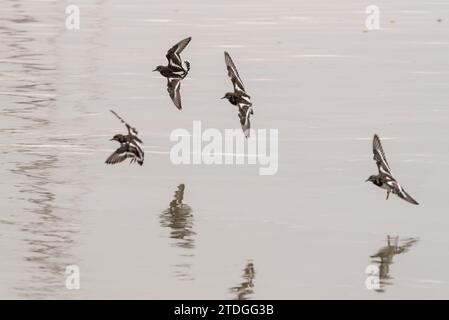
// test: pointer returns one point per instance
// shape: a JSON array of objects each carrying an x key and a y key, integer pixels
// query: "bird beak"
[
  {"x": 112, "y": 139},
  {"x": 367, "y": 180},
  {"x": 223, "y": 97},
  {"x": 155, "y": 70}
]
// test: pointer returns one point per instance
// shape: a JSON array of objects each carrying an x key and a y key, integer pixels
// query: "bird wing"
[
  {"x": 131, "y": 130},
  {"x": 137, "y": 152},
  {"x": 119, "y": 155},
  {"x": 173, "y": 55},
  {"x": 404, "y": 195},
  {"x": 136, "y": 148},
  {"x": 234, "y": 74},
  {"x": 379, "y": 156},
  {"x": 173, "y": 88},
  {"x": 136, "y": 143},
  {"x": 244, "y": 114}
]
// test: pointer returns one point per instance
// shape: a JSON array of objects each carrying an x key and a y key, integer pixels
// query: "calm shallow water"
[{"x": 165, "y": 231}]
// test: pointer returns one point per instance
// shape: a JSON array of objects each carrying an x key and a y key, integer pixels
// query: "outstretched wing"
[
  {"x": 244, "y": 114},
  {"x": 131, "y": 130},
  {"x": 173, "y": 88},
  {"x": 173, "y": 55},
  {"x": 379, "y": 156},
  {"x": 124, "y": 152},
  {"x": 234, "y": 74},
  {"x": 404, "y": 195},
  {"x": 119, "y": 155}
]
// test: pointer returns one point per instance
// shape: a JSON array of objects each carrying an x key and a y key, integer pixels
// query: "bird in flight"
[
  {"x": 130, "y": 145},
  {"x": 239, "y": 97},
  {"x": 385, "y": 179},
  {"x": 175, "y": 71}
]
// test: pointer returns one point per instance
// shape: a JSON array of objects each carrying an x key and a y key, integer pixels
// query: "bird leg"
[{"x": 388, "y": 194}]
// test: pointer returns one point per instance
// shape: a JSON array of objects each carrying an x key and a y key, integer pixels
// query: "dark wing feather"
[
  {"x": 244, "y": 115},
  {"x": 137, "y": 150},
  {"x": 137, "y": 153},
  {"x": 234, "y": 74},
  {"x": 173, "y": 55},
  {"x": 119, "y": 155},
  {"x": 404, "y": 195},
  {"x": 379, "y": 156},
  {"x": 180, "y": 46},
  {"x": 124, "y": 152},
  {"x": 173, "y": 88}
]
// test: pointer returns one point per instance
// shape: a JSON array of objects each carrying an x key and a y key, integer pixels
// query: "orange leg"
[{"x": 388, "y": 194}]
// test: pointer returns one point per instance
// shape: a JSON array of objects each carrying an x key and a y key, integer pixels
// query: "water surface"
[{"x": 165, "y": 231}]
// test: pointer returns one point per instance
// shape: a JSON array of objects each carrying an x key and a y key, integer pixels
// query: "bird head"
[
  {"x": 371, "y": 178},
  {"x": 159, "y": 68},
  {"x": 118, "y": 137},
  {"x": 228, "y": 95}
]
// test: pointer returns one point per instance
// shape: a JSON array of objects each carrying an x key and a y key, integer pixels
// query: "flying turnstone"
[
  {"x": 175, "y": 71},
  {"x": 239, "y": 97},
  {"x": 130, "y": 146},
  {"x": 384, "y": 179}
]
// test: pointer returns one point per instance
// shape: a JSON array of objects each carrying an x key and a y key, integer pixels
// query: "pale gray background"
[{"x": 312, "y": 72}]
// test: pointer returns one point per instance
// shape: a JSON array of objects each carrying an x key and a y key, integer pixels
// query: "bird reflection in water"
[
  {"x": 245, "y": 290},
  {"x": 46, "y": 229},
  {"x": 384, "y": 258},
  {"x": 179, "y": 218}
]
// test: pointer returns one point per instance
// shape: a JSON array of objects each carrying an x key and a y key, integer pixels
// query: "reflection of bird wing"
[
  {"x": 179, "y": 193},
  {"x": 409, "y": 243},
  {"x": 379, "y": 156},
  {"x": 173, "y": 88},
  {"x": 131, "y": 130},
  {"x": 385, "y": 253},
  {"x": 234, "y": 75},
  {"x": 173, "y": 55}
]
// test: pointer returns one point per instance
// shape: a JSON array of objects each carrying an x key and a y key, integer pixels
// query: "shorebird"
[
  {"x": 384, "y": 179},
  {"x": 175, "y": 71},
  {"x": 130, "y": 145},
  {"x": 239, "y": 97}
]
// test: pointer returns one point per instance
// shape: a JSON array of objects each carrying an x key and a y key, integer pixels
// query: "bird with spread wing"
[
  {"x": 130, "y": 145},
  {"x": 239, "y": 97},
  {"x": 175, "y": 71},
  {"x": 385, "y": 179}
]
